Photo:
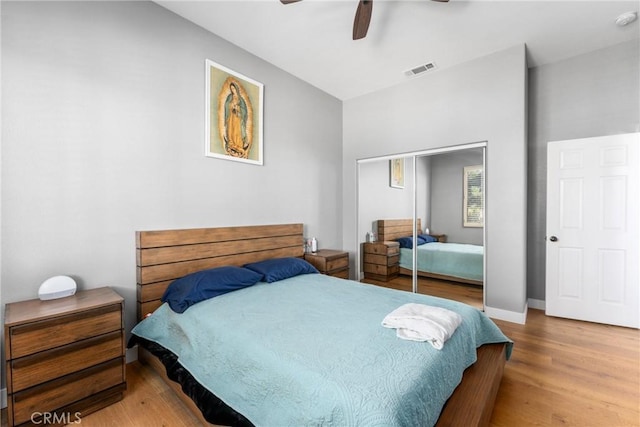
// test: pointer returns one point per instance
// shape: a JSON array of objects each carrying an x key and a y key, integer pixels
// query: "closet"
[{"x": 425, "y": 188}]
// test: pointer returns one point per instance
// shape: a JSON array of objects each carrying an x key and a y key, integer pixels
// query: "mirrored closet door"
[{"x": 421, "y": 215}]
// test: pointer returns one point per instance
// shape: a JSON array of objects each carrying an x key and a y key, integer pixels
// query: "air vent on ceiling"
[{"x": 429, "y": 66}]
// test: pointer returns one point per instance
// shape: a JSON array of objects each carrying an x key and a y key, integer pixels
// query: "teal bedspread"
[
  {"x": 450, "y": 259},
  {"x": 311, "y": 350}
]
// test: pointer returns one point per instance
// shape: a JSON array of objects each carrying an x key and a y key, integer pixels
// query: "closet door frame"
[{"x": 413, "y": 156}]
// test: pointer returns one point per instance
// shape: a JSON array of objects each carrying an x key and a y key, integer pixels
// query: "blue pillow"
[
  {"x": 407, "y": 242},
  {"x": 427, "y": 238},
  {"x": 182, "y": 293},
  {"x": 281, "y": 268}
]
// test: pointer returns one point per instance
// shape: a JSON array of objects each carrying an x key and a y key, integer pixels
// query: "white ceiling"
[{"x": 312, "y": 39}]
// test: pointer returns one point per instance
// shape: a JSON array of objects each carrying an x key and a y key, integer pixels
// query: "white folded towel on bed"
[{"x": 420, "y": 322}]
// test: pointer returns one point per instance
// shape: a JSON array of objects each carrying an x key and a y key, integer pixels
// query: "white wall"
[
  {"x": 103, "y": 135},
  {"x": 378, "y": 200},
  {"x": 482, "y": 100},
  {"x": 447, "y": 196},
  {"x": 594, "y": 94}
]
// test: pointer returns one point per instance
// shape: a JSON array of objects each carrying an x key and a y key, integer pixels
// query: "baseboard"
[
  {"x": 538, "y": 304},
  {"x": 509, "y": 316}
]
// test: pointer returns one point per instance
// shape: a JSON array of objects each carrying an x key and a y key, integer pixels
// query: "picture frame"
[
  {"x": 396, "y": 172},
  {"x": 234, "y": 115}
]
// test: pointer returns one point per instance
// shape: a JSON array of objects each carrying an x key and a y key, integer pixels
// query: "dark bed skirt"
[{"x": 213, "y": 409}]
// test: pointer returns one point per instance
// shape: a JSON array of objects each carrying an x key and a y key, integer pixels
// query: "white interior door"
[{"x": 592, "y": 229}]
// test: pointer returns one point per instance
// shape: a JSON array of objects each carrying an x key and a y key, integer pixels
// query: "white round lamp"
[{"x": 57, "y": 287}]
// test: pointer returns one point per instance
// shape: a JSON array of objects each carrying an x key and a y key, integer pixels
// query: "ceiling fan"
[{"x": 362, "y": 19}]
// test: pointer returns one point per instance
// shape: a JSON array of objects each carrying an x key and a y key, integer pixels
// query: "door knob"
[{"x": 553, "y": 238}]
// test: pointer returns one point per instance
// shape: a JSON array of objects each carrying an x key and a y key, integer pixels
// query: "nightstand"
[
  {"x": 442, "y": 238},
  {"x": 381, "y": 260},
  {"x": 65, "y": 357},
  {"x": 330, "y": 262}
]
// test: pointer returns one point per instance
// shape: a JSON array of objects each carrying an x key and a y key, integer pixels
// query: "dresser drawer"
[
  {"x": 343, "y": 274},
  {"x": 47, "y": 365},
  {"x": 329, "y": 261},
  {"x": 46, "y": 334},
  {"x": 58, "y": 393},
  {"x": 381, "y": 270},
  {"x": 382, "y": 248},
  {"x": 337, "y": 263},
  {"x": 381, "y": 259}
]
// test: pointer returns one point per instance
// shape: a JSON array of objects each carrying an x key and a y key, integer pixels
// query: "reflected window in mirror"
[{"x": 473, "y": 207}]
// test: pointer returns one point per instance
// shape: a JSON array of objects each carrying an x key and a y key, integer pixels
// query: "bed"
[
  {"x": 306, "y": 346},
  {"x": 440, "y": 260}
]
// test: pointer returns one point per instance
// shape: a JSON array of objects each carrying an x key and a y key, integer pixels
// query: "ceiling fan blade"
[{"x": 362, "y": 19}]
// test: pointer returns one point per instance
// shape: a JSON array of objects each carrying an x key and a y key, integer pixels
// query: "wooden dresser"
[
  {"x": 65, "y": 357},
  {"x": 381, "y": 260},
  {"x": 330, "y": 261}
]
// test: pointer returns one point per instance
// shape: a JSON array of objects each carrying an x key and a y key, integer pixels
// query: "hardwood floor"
[
  {"x": 570, "y": 373},
  {"x": 468, "y": 294},
  {"x": 562, "y": 373}
]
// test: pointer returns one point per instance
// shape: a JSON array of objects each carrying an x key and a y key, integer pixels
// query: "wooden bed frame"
[
  {"x": 165, "y": 255},
  {"x": 392, "y": 229}
]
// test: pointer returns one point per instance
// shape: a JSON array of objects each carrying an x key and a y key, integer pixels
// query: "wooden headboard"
[
  {"x": 392, "y": 229},
  {"x": 165, "y": 255}
]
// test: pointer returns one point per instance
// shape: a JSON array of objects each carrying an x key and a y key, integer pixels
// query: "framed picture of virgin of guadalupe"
[{"x": 234, "y": 105}]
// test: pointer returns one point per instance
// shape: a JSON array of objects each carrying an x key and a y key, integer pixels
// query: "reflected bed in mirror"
[{"x": 437, "y": 259}]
